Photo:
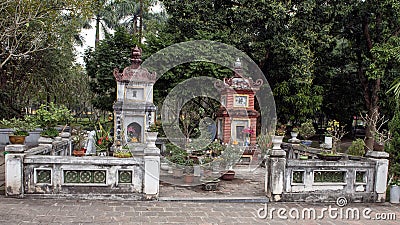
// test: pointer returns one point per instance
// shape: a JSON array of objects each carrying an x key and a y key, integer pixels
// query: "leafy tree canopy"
[{"x": 113, "y": 52}]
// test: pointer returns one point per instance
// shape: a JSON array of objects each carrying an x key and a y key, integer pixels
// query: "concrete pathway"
[{"x": 45, "y": 211}]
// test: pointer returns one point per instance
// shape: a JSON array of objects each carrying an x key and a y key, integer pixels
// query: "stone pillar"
[
  {"x": 277, "y": 166},
  {"x": 381, "y": 173},
  {"x": 14, "y": 162},
  {"x": 66, "y": 136},
  {"x": 151, "y": 172}
]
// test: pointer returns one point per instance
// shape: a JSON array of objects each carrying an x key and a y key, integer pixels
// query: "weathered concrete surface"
[
  {"x": 62, "y": 188},
  {"x": 14, "y": 174},
  {"x": 325, "y": 191}
]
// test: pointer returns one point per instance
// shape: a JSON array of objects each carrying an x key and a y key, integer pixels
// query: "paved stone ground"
[
  {"x": 45, "y": 211},
  {"x": 248, "y": 182}
]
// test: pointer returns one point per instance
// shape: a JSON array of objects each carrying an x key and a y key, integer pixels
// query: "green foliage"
[
  {"x": 49, "y": 132},
  {"x": 216, "y": 147},
  {"x": 394, "y": 145},
  {"x": 153, "y": 128},
  {"x": 102, "y": 137},
  {"x": 357, "y": 147},
  {"x": 48, "y": 116},
  {"x": 113, "y": 52},
  {"x": 78, "y": 137},
  {"x": 283, "y": 42},
  {"x": 36, "y": 53},
  {"x": 176, "y": 154},
  {"x": 21, "y": 126},
  {"x": 264, "y": 141},
  {"x": 231, "y": 155},
  {"x": 307, "y": 129}
]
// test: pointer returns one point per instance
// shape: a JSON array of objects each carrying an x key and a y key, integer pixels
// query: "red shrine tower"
[{"x": 237, "y": 119}]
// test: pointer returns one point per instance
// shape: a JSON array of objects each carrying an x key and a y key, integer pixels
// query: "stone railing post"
[
  {"x": 276, "y": 172},
  {"x": 381, "y": 173},
  {"x": 151, "y": 167},
  {"x": 14, "y": 169},
  {"x": 66, "y": 136}
]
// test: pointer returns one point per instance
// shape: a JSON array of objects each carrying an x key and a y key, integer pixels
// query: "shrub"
[
  {"x": 357, "y": 147},
  {"x": 307, "y": 129},
  {"x": 20, "y": 126},
  {"x": 52, "y": 115},
  {"x": 394, "y": 145},
  {"x": 176, "y": 154}
]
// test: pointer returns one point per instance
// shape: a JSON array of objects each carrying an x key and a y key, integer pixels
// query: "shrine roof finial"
[
  {"x": 136, "y": 56},
  {"x": 237, "y": 66},
  {"x": 135, "y": 72},
  {"x": 239, "y": 81}
]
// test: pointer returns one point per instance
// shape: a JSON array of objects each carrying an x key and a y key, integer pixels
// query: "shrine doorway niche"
[{"x": 134, "y": 133}]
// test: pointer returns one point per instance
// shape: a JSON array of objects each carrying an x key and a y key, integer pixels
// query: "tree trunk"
[
  {"x": 370, "y": 130},
  {"x": 141, "y": 21},
  {"x": 371, "y": 87},
  {"x": 96, "y": 43}
]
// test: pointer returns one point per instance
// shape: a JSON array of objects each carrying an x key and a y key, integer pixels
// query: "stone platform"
[{"x": 247, "y": 186}]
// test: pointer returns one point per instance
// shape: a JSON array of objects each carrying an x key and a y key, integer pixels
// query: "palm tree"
[
  {"x": 104, "y": 17},
  {"x": 127, "y": 13},
  {"x": 395, "y": 89},
  {"x": 132, "y": 15}
]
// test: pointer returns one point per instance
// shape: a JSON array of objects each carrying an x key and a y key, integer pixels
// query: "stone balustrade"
[
  {"x": 291, "y": 179},
  {"x": 49, "y": 171}
]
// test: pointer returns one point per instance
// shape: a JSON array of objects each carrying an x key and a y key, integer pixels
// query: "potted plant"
[
  {"x": 306, "y": 131},
  {"x": 49, "y": 116},
  {"x": 356, "y": 149},
  {"x": 179, "y": 161},
  {"x": 20, "y": 127},
  {"x": 151, "y": 135},
  {"x": 103, "y": 140},
  {"x": 122, "y": 152},
  {"x": 277, "y": 139},
  {"x": 215, "y": 148},
  {"x": 189, "y": 176},
  {"x": 229, "y": 158},
  {"x": 177, "y": 157},
  {"x": 264, "y": 142},
  {"x": 78, "y": 138},
  {"x": 337, "y": 132},
  {"x": 380, "y": 139},
  {"x": 294, "y": 133}
]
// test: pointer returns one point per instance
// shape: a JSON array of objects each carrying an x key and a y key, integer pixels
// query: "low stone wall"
[
  {"x": 49, "y": 171},
  {"x": 74, "y": 177},
  {"x": 325, "y": 181},
  {"x": 315, "y": 180}
]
